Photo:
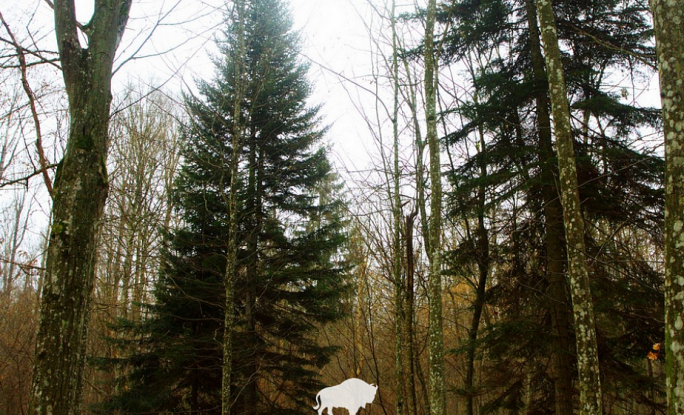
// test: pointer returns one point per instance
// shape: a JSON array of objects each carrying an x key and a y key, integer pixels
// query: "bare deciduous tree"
[{"x": 80, "y": 191}]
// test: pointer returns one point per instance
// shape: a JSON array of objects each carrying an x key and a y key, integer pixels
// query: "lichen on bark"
[
  {"x": 578, "y": 275},
  {"x": 668, "y": 18},
  {"x": 437, "y": 396},
  {"x": 80, "y": 191}
]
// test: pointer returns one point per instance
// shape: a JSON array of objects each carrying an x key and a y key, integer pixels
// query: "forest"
[{"x": 506, "y": 237}]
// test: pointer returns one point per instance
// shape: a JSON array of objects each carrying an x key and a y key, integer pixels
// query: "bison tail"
[{"x": 318, "y": 401}]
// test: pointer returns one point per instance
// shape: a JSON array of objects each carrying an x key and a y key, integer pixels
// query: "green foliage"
[
  {"x": 290, "y": 276},
  {"x": 621, "y": 189}
]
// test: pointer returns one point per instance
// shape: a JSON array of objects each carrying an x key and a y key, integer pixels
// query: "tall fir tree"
[{"x": 289, "y": 277}]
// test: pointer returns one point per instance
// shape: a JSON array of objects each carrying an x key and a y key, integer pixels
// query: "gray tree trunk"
[
  {"x": 435, "y": 336},
  {"x": 399, "y": 310},
  {"x": 668, "y": 17},
  {"x": 80, "y": 190},
  {"x": 553, "y": 212},
  {"x": 578, "y": 275},
  {"x": 411, "y": 404}
]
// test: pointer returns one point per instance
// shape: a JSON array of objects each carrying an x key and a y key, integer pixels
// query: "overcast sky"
[{"x": 334, "y": 38}]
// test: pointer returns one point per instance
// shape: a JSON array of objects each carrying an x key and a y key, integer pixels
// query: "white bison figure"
[{"x": 352, "y": 394}]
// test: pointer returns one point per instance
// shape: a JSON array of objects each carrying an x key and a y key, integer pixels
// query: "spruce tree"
[{"x": 289, "y": 278}]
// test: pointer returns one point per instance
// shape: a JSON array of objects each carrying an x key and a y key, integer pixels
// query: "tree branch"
[
  {"x": 32, "y": 104},
  {"x": 29, "y": 176}
]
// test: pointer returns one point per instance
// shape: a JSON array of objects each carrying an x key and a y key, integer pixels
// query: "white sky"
[{"x": 333, "y": 35}]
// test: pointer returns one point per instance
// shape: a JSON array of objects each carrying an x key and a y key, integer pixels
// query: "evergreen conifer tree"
[
  {"x": 620, "y": 188},
  {"x": 289, "y": 278}
]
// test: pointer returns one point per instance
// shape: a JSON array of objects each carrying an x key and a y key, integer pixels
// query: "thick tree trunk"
[
  {"x": 435, "y": 335},
  {"x": 80, "y": 190},
  {"x": 553, "y": 213},
  {"x": 583, "y": 308},
  {"x": 668, "y": 17}
]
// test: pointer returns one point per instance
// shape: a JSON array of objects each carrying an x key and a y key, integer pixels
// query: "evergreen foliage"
[
  {"x": 290, "y": 277},
  {"x": 621, "y": 189}
]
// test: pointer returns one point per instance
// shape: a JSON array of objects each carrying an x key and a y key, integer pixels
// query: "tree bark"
[
  {"x": 399, "y": 310},
  {"x": 482, "y": 249},
  {"x": 553, "y": 213},
  {"x": 232, "y": 243},
  {"x": 411, "y": 403},
  {"x": 578, "y": 275},
  {"x": 668, "y": 18},
  {"x": 435, "y": 334},
  {"x": 80, "y": 191}
]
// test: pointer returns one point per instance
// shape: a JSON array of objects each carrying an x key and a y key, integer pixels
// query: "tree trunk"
[
  {"x": 232, "y": 245},
  {"x": 583, "y": 308},
  {"x": 399, "y": 312},
  {"x": 411, "y": 404},
  {"x": 553, "y": 213},
  {"x": 482, "y": 249},
  {"x": 668, "y": 17},
  {"x": 255, "y": 211},
  {"x": 435, "y": 336},
  {"x": 358, "y": 320},
  {"x": 80, "y": 190}
]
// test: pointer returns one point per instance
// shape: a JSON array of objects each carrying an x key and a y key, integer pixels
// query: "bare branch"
[
  {"x": 28, "y": 176},
  {"x": 32, "y": 103},
  {"x": 35, "y": 53},
  {"x": 24, "y": 267}
]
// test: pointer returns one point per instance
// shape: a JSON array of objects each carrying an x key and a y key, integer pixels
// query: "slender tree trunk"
[
  {"x": 80, "y": 190},
  {"x": 419, "y": 144},
  {"x": 411, "y": 404},
  {"x": 399, "y": 312},
  {"x": 435, "y": 336},
  {"x": 249, "y": 393},
  {"x": 482, "y": 249},
  {"x": 358, "y": 321},
  {"x": 553, "y": 212},
  {"x": 232, "y": 245},
  {"x": 668, "y": 17},
  {"x": 583, "y": 308}
]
